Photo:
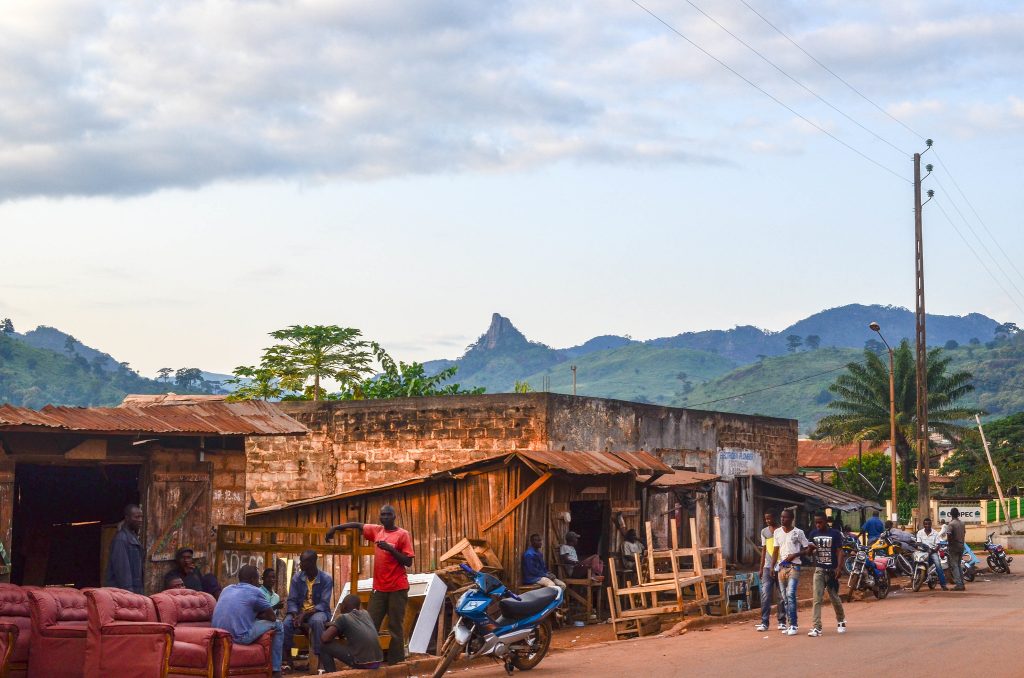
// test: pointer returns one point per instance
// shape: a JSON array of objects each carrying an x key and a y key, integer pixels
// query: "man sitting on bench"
[{"x": 591, "y": 566}]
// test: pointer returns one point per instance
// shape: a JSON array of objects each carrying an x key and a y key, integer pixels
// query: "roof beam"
[{"x": 516, "y": 502}]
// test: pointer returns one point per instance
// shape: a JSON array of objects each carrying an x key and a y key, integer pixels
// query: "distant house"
[{"x": 819, "y": 459}]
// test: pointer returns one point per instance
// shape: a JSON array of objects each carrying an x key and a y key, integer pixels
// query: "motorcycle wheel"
[
  {"x": 541, "y": 641},
  {"x": 882, "y": 589},
  {"x": 918, "y": 580},
  {"x": 968, "y": 574},
  {"x": 848, "y": 565},
  {"x": 931, "y": 584},
  {"x": 993, "y": 564},
  {"x": 1006, "y": 566},
  {"x": 449, "y": 651}
]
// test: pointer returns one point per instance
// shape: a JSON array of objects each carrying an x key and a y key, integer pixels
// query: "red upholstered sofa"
[
  {"x": 191, "y": 612},
  {"x": 124, "y": 638},
  {"x": 8, "y": 638},
  {"x": 59, "y": 621},
  {"x": 14, "y": 609}
]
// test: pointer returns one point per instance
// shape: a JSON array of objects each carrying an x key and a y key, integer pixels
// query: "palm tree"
[{"x": 862, "y": 401}]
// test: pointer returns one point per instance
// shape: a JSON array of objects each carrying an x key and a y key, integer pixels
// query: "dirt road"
[{"x": 927, "y": 634}]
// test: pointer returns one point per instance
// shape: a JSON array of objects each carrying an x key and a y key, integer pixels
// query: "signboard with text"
[{"x": 970, "y": 513}]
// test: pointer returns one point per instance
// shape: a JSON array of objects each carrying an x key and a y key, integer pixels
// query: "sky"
[{"x": 179, "y": 179}]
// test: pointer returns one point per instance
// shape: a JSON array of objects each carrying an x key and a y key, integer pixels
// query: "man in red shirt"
[{"x": 390, "y": 584}]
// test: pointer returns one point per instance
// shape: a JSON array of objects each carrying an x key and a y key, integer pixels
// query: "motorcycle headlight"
[{"x": 920, "y": 557}]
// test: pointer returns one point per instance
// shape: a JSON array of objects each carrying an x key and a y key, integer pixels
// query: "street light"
[{"x": 875, "y": 327}]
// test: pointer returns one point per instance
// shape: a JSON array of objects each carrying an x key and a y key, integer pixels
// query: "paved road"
[{"x": 974, "y": 633}]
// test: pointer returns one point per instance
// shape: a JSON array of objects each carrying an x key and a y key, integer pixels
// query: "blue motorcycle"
[{"x": 495, "y": 622}]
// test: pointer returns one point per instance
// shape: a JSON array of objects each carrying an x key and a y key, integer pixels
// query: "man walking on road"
[
  {"x": 828, "y": 559},
  {"x": 790, "y": 544},
  {"x": 390, "y": 583},
  {"x": 956, "y": 534},
  {"x": 769, "y": 580}
]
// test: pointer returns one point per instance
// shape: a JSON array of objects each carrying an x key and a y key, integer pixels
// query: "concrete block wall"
[{"x": 359, "y": 444}]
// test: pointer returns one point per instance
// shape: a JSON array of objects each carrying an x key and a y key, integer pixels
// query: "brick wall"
[{"x": 361, "y": 444}]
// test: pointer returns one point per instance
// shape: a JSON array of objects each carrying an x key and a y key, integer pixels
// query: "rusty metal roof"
[
  {"x": 252, "y": 417},
  {"x": 592, "y": 463},
  {"x": 684, "y": 479},
  {"x": 573, "y": 463},
  {"x": 826, "y": 495}
]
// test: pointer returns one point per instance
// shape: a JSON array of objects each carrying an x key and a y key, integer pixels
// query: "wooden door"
[
  {"x": 177, "y": 514},
  {"x": 6, "y": 519}
]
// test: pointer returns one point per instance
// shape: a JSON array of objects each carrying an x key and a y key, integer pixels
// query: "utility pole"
[
  {"x": 573, "y": 368},
  {"x": 921, "y": 344},
  {"x": 995, "y": 477}
]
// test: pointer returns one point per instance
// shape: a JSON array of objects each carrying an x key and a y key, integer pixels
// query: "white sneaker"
[
  {"x": 782, "y": 627},
  {"x": 814, "y": 633},
  {"x": 841, "y": 627},
  {"x": 792, "y": 631},
  {"x": 761, "y": 627}
]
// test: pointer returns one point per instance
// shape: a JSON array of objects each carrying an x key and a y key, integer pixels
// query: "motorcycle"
[
  {"x": 969, "y": 566},
  {"x": 850, "y": 546},
  {"x": 496, "y": 622},
  {"x": 997, "y": 559},
  {"x": 899, "y": 554},
  {"x": 924, "y": 568},
  {"x": 870, "y": 572}
]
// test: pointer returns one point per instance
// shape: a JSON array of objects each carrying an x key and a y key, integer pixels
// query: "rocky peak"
[{"x": 500, "y": 332}]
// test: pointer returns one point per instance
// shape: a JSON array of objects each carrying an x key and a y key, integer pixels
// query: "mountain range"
[{"x": 710, "y": 369}]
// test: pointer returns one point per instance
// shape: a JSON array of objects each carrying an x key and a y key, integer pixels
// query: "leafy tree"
[
  {"x": 875, "y": 483},
  {"x": 813, "y": 341},
  {"x": 862, "y": 401},
  {"x": 405, "y": 380},
  {"x": 974, "y": 341},
  {"x": 951, "y": 344},
  {"x": 188, "y": 378},
  {"x": 98, "y": 363},
  {"x": 1006, "y": 330},
  {"x": 522, "y": 387},
  {"x": 969, "y": 466},
  {"x": 793, "y": 342},
  {"x": 164, "y": 373},
  {"x": 254, "y": 383},
  {"x": 69, "y": 344},
  {"x": 7, "y": 326},
  {"x": 317, "y": 352},
  {"x": 874, "y": 345}
]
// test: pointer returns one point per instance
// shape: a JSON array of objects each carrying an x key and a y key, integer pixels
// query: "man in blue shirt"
[
  {"x": 873, "y": 527},
  {"x": 535, "y": 568},
  {"x": 828, "y": 558},
  {"x": 309, "y": 603},
  {"x": 243, "y": 611}
]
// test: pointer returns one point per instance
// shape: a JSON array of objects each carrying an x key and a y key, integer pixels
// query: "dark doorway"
[
  {"x": 63, "y": 517},
  {"x": 589, "y": 520}
]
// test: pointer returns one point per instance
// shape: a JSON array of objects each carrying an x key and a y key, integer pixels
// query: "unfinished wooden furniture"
[
  {"x": 712, "y": 564},
  {"x": 474, "y": 552},
  {"x": 584, "y": 591}
]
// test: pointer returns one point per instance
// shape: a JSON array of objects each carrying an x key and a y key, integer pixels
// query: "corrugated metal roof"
[
  {"x": 252, "y": 417},
  {"x": 573, "y": 463},
  {"x": 592, "y": 463},
  {"x": 684, "y": 479},
  {"x": 826, "y": 494}
]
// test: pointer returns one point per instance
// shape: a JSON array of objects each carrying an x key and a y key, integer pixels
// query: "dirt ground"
[{"x": 932, "y": 631}]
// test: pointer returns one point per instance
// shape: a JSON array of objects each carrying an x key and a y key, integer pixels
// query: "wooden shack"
[
  {"x": 66, "y": 474},
  {"x": 501, "y": 499}
]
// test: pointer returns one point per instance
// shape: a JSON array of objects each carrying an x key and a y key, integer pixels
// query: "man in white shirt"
[
  {"x": 930, "y": 537},
  {"x": 790, "y": 544},
  {"x": 769, "y": 580}
]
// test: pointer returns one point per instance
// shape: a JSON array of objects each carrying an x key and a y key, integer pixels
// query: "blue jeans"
[
  {"x": 937, "y": 562},
  {"x": 313, "y": 628},
  {"x": 769, "y": 590},
  {"x": 789, "y": 578},
  {"x": 276, "y": 645}
]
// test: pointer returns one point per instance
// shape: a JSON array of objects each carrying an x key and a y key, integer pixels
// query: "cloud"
[{"x": 123, "y": 98}]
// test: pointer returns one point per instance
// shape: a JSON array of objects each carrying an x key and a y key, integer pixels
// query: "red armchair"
[
  {"x": 124, "y": 637},
  {"x": 14, "y": 609},
  {"x": 8, "y": 638},
  {"x": 57, "y": 644},
  {"x": 190, "y": 612}
]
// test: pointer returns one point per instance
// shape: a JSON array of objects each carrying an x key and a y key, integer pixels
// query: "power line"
[
  {"x": 833, "y": 73},
  {"x": 980, "y": 260},
  {"x": 767, "y": 94},
  {"x": 785, "y": 383},
  {"x": 805, "y": 87},
  {"x": 980, "y": 241},
  {"x": 977, "y": 216}
]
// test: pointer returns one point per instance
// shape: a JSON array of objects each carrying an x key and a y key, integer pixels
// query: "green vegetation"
[
  {"x": 1006, "y": 441},
  {"x": 871, "y": 478},
  {"x": 34, "y": 377},
  {"x": 861, "y": 408},
  {"x": 639, "y": 372}
]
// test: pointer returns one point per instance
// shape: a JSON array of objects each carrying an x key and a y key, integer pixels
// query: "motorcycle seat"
[{"x": 532, "y": 602}]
